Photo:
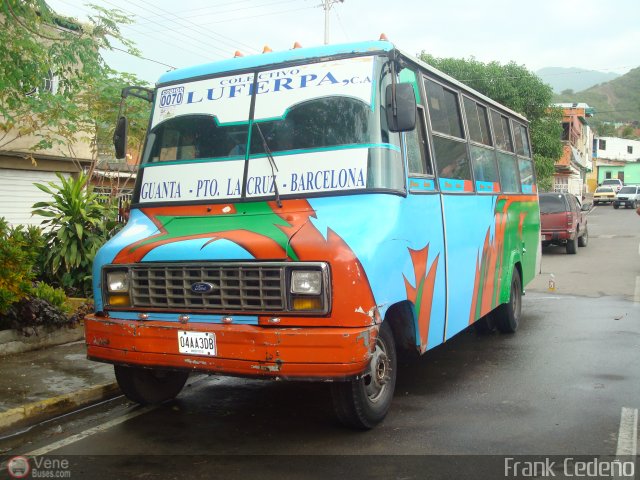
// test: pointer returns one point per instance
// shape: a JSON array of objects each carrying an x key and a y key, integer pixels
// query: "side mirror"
[
  {"x": 404, "y": 119},
  {"x": 120, "y": 137},
  {"x": 586, "y": 207}
]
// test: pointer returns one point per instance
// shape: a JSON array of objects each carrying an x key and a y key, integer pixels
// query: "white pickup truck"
[{"x": 629, "y": 196}]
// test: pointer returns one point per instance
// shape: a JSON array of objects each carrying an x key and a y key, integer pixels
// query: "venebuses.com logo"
[
  {"x": 18, "y": 467},
  {"x": 38, "y": 467}
]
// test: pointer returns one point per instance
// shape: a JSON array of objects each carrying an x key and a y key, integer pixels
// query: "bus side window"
[
  {"x": 502, "y": 131},
  {"x": 449, "y": 146},
  {"x": 526, "y": 174},
  {"x": 508, "y": 168},
  {"x": 417, "y": 151},
  {"x": 522, "y": 140}
]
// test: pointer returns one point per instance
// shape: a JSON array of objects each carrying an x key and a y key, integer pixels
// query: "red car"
[{"x": 563, "y": 221}]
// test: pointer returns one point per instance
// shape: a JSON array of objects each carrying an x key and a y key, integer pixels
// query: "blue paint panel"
[
  {"x": 138, "y": 227},
  {"x": 487, "y": 187},
  {"x": 382, "y": 244},
  {"x": 451, "y": 185},
  {"x": 197, "y": 249},
  {"x": 255, "y": 61},
  {"x": 193, "y": 318},
  {"x": 421, "y": 184},
  {"x": 465, "y": 234}
]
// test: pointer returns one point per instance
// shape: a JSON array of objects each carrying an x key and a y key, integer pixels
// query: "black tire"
[
  {"x": 572, "y": 245},
  {"x": 485, "y": 325},
  {"x": 507, "y": 315},
  {"x": 583, "y": 240},
  {"x": 149, "y": 387},
  {"x": 616, "y": 206},
  {"x": 363, "y": 403}
]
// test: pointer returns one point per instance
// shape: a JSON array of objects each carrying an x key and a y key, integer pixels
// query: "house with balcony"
[{"x": 572, "y": 169}]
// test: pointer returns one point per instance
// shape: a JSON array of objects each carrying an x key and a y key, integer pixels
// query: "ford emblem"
[{"x": 201, "y": 287}]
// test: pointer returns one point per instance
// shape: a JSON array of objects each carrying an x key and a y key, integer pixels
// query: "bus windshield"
[{"x": 322, "y": 122}]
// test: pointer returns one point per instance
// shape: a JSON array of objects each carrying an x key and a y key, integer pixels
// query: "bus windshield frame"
[{"x": 324, "y": 124}]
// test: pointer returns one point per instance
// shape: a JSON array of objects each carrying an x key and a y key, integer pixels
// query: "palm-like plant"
[{"x": 77, "y": 222}]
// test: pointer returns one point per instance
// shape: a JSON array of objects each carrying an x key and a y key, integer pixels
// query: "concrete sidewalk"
[{"x": 41, "y": 384}]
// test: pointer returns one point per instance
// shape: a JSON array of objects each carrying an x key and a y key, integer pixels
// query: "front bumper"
[{"x": 308, "y": 353}]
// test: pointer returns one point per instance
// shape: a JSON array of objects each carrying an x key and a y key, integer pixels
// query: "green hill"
[
  {"x": 615, "y": 101},
  {"x": 576, "y": 79}
]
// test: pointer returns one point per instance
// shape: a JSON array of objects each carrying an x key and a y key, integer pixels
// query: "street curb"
[
  {"x": 51, "y": 407},
  {"x": 13, "y": 342}
]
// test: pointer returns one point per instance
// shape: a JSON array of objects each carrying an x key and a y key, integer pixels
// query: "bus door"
[{"x": 425, "y": 280}]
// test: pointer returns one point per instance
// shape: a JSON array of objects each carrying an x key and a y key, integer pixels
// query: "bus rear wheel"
[
  {"x": 507, "y": 315},
  {"x": 149, "y": 387},
  {"x": 363, "y": 403}
]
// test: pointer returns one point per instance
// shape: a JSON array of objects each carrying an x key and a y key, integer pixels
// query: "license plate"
[{"x": 197, "y": 343}]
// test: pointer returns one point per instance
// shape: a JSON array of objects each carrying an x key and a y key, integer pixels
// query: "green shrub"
[
  {"x": 30, "y": 312},
  {"x": 78, "y": 222},
  {"x": 52, "y": 295},
  {"x": 19, "y": 249}
]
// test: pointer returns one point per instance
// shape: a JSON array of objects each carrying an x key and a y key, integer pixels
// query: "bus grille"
[{"x": 233, "y": 287}]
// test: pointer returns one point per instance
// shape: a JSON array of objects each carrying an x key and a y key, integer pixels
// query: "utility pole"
[{"x": 327, "y": 6}]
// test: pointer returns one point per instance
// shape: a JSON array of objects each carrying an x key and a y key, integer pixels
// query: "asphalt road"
[{"x": 566, "y": 384}]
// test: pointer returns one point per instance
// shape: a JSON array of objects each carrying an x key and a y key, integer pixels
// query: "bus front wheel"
[
  {"x": 149, "y": 387},
  {"x": 507, "y": 315},
  {"x": 363, "y": 403}
]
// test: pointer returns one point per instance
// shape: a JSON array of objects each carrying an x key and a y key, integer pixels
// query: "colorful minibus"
[{"x": 310, "y": 215}]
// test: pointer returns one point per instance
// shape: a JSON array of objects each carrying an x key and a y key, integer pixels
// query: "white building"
[{"x": 613, "y": 148}]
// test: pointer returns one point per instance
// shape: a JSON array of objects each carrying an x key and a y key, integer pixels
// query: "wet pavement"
[{"x": 40, "y": 375}]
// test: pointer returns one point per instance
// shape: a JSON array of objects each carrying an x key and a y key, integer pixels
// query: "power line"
[
  {"x": 188, "y": 24},
  {"x": 219, "y": 12},
  {"x": 142, "y": 33},
  {"x": 165, "y": 29},
  {"x": 143, "y": 58}
]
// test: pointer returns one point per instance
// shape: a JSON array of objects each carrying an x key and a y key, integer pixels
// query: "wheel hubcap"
[{"x": 379, "y": 373}]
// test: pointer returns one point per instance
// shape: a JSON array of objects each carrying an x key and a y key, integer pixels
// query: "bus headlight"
[
  {"x": 308, "y": 290},
  {"x": 306, "y": 282},
  {"x": 118, "y": 281},
  {"x": 117, "y": 288}
]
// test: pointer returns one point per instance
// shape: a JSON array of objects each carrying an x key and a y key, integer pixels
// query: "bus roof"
[
  {"x": 271, "y": 58},
  {"x": 323, "y": 51}
]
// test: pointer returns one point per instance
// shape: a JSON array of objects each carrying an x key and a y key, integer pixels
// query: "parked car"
[
  {"x": 563, "y": 221},
  {"x": 616, "y": 183},
  {"x": 629, "y": 196},
  {"x": 604, "y": 194}
]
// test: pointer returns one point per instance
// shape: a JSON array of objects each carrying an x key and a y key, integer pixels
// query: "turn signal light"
[
  {"x": 307, "y": 303},
  {"x": 119, "y": 300},
  {"x": 267, "y": 49}
]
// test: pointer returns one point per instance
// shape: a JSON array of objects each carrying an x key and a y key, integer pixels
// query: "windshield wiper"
[{"x": 272, "y": 162}]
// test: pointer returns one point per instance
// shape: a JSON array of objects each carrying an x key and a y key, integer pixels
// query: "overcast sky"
[{"x": 588, "y": 34}]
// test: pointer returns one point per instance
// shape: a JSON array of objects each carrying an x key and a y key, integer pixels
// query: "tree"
[
  {"x": 603, "y": 129},
  {"x": 520, "y": 90},
  {"x": 102, "y": 98},
  {"x": 628, "y": 132},
  {"x": 78, "y": 224},
  {"x": 47, "y": 63}
]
